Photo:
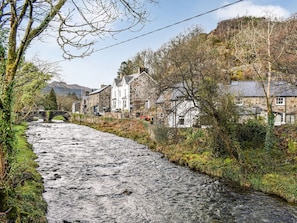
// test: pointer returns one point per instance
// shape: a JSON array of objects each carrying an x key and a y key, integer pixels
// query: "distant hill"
[{"x": 62, "y": 88}]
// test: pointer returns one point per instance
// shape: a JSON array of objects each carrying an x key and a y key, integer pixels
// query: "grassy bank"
[
  {"x": 22, "y": 199},
  {"x": 273, "y": 172}
]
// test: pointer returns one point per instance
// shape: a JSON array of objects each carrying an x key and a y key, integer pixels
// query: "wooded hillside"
[{"x": 236, "y": 45}]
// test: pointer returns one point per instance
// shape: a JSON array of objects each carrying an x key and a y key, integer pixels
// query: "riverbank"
[
  {"x": 273, "y": 173},
  {"x": 21, "y": 193}
]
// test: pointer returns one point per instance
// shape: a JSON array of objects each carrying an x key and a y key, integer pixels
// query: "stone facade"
[
  {"x": 98, "y": 101},
  {"x": 133, "y": 93},
  {"x": 285, "y": 113},
  {"x": 250, "y": 97},
  {"x": 142, "y": 93}
]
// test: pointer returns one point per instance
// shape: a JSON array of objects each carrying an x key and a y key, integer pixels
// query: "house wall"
[
  {"x": 84, "y": 109},
  {"x": 125, "y": 99},
  {"x": 114, "y": 98},
  {"x": 96, "y": 103},
  {"x": 104, "y": 100},
  {"x": 93, "y": 101},
  {"x": 184, "y": 114},
  {"x": 76, "y": 107},
  {"x": 142, "y": 93},
  {"x": 136, "y": 95},
  {"x": 285, "y": 113},
  {"x": 120, "y": 97}
]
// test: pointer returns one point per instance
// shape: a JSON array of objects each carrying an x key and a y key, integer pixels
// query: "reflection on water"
[{"x": 91, "y": 176}]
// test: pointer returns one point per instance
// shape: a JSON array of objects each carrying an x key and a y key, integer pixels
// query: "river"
[{"x": 93, "y": 177}]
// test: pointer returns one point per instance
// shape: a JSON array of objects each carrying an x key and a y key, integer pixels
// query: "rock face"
[{"x": 62, "y": 88}]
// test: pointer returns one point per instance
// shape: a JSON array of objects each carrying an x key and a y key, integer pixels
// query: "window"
[
  {"x": 279, "y": 101},
  {"x": 181, "y": 120},
  {"x": 238, "y": 101},
  {"x": 114, "y": 104},
  {"x": 283, "y": 118},
  {"x": 124, "y": 103},
  {"x": 147, "y": 104}
]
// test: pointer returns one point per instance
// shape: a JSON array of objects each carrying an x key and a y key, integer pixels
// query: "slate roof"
[
  {"x": 128, "y": 79},
  {"x": 254, "y": 89},
  {"x": 175, "y": 94},
  {"x": 243, "y": 89},
  {"x": 161, "y": 99},
  {"x": 99, "y": 90}
]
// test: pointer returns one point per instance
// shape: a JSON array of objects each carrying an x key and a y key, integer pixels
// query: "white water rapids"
[{"x": 93, "y": 177}]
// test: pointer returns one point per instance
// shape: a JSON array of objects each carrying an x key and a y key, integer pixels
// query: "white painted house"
[
  {"x": 176, "y": 110},
  {"x": 132, "y": 92}
]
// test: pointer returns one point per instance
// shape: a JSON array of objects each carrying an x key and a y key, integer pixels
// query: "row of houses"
[
  {"x": 135, "y": 96},
  {"x": 129, "y": 94}
]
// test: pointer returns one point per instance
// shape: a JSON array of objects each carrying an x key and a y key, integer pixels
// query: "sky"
[{"x": 102, "y": 66}]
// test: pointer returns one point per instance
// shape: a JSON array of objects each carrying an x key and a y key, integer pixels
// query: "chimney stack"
[{"x": 143, "y": 69}]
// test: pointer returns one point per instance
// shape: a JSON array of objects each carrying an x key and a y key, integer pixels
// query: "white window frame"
[
  {"x": 283, "y": 119},
  {"x": 114, "y": 104},
  {"x": 279, "y": 101}
]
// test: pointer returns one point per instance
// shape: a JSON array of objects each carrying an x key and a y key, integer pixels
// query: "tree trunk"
[
  {"x": 2, "y": 164},
  {"x": 7, "y": 135},
  {"x": 269, "y": 139}
]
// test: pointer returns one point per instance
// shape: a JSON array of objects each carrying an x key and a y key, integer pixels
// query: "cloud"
[{"x": 248, "y": 8}]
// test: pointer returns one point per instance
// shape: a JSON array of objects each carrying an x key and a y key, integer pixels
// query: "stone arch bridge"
[{"x": 47, "y": 115}]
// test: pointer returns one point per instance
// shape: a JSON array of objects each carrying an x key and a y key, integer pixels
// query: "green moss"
[
  {"x": 59, "y": 118},
  {"x": 24, "y": 186}
]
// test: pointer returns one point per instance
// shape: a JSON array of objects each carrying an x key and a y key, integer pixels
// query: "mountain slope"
[{"x": 62, "y": 88}]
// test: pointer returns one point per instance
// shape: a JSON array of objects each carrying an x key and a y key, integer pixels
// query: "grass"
[
  {"x": 59, "y": 118},
  {"x": 273, "y": 172},
  {"x": 24, "y": 186}
]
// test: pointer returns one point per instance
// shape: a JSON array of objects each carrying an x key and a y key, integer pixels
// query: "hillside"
[{"x": 62, "y": 88}]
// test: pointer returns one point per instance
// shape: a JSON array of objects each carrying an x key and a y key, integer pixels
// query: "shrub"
[
  {"x": 161, "y": 134},
  {"x": 251, "y": 134},
  {"x": 292, "y": 147}
]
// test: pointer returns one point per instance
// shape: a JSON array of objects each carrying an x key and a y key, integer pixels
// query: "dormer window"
[{"x": 280, "y": 101}]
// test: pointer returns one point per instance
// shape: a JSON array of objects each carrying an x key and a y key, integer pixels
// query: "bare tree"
[
  {"x": 77, "y": 26},
  {"x": 260, "y": 47},
  {"x": 196, "y": 71}
]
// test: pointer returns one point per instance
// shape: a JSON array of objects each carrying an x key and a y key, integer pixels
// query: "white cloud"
[{"x": 248, "y": 8}]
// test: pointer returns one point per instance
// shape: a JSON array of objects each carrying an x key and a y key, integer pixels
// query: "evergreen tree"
[{"x": 51, "y": 101}]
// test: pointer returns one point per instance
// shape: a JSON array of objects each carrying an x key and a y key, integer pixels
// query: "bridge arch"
[
  {"x": 52, "y": 114},
  {"x": 48, "y": 115}
]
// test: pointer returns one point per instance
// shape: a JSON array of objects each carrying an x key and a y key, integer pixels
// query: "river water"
[{"x": 92, "y": 176}]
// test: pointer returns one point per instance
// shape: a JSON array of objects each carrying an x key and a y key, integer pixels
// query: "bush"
[
  {"x": 161, "y": 134},
  {"x": 194, "y": 135},
  {"x": 251, "y": 134}
]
